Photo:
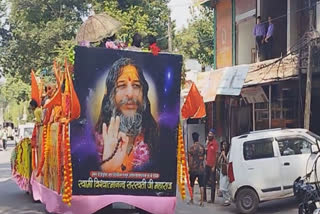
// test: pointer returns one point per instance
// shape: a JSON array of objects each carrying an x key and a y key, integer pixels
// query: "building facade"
[{"x": 242, "y": 94}]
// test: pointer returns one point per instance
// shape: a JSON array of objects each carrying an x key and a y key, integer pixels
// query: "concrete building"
[{"x": 242, "y": 94}]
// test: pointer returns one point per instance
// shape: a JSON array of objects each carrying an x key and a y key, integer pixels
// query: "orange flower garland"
[
  {"x": 181, "y": 177},
  {"x": 43, "y": 149},
  {"x": 182, "y": 167},
  {"x": 179, "y": 167},
  {"x": 185, "y": 167},
  {"x": 46, "y": 157},
  {"x": 33, "y": 158},
  {"x": 59, "y": 158},
  {"x": 67, "y": 194}
]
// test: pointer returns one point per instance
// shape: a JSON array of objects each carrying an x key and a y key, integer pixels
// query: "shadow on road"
[
  {"x": 278, "y": 206},
  {"x": 13, "y": 200}
]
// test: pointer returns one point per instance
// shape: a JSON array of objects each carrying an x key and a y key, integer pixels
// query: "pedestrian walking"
[
  {"x": 4, "y": 138},
  {"x": 212, "y": 148},
  {"x": 196, "y": 155}
]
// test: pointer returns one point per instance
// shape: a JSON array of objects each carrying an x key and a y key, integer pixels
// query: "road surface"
[{"x": 13, "y": 200}]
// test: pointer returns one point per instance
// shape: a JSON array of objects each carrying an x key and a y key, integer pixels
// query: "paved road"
[
  {"x": 285, "y": 206},
  {"x": 14, "y": 201}
]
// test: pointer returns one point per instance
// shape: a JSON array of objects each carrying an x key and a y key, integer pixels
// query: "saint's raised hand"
[{"x": 115, "y": 145}]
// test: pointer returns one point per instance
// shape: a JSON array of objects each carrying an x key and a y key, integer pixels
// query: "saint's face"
[{"x": 128, "y": 97}]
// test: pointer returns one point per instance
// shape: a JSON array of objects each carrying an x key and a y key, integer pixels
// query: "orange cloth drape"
[
  {"x": 35, "y": 93},
  {"x": 194, "y": 106},
  {"x": 75, "y": 104}
]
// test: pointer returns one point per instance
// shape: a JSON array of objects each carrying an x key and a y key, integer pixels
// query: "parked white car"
[{"x": 264, "y": 164}]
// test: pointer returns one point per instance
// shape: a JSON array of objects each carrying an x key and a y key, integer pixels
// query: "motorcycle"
[{"x": 308, "y": 196}]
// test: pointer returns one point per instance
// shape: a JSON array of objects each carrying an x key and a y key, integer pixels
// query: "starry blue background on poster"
[{"x": 165, "y": 71}]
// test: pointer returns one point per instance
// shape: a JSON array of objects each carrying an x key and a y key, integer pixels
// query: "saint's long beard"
[{"x": 130, "y": 125}]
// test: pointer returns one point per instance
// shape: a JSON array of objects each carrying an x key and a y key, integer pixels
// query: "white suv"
[{"x": 264, "y": 164}]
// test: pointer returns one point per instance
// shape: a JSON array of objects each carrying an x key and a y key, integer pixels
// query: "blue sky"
[{"x": 180, "y": 12}]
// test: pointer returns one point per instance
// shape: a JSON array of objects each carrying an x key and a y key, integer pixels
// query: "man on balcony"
[
  {"x": 269, "y": 39},
  {"x": 259, "y": 32}
]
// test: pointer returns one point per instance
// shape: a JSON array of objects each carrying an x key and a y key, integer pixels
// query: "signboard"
[
  {"x": 233, "y": 80},
  {"x": 124, "y": 142},
  {"x": 254, "y": 95}
]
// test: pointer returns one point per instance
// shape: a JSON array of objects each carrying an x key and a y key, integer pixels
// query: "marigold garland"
[
  {"x": 59, "y": 158},
  {"x": 33, "y": 158},
  {"x": 67, "y": 194},
  {"x": 46, "y": 156},
  {"x": 43, "y": 149},
  {"x": 181, "y": 178},
  {"x": 182, "y": 169},
  {"x": 179, "y": 167},
  {"x": 22, "y": 165}
]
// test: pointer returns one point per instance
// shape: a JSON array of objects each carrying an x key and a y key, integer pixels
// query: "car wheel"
[{"x": 247, "y": 201}]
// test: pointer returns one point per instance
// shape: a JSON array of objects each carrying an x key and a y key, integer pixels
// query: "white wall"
[
  {"x": 318, "y": 16},
  {"x": 245, "y": 40},
  {"x": 293, "y": 23}
]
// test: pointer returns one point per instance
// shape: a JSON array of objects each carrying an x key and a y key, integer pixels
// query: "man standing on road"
[
  {"x": 4, "y": 138},
  {"x": 210, "y": 169},
  {"x": 196, "y": 155}
]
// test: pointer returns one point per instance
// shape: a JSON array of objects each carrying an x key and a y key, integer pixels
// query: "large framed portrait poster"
[{"x": 124, "y": 142}]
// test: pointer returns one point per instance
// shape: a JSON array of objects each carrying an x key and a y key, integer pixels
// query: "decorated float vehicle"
[{"x": 109, "y": 133}]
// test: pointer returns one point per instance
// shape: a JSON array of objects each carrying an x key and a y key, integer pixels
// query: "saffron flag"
[
  {"x": 75, "y": 104},
  {"x": 35, "y": 93},
  {"x": 194, "y": 106},
  {"x": 57, "y": 73}
]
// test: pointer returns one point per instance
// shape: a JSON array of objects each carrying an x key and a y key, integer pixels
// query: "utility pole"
[
  {"x": 169, "y": 33},
  {"x": 307, "y": 108}
]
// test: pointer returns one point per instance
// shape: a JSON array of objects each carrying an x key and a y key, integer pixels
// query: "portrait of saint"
[{"x": 126, "y": 132}]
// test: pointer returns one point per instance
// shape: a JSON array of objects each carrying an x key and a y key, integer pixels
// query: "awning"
[
  {"x": 273, "y": 70},
  {"x": 233, "y": 80},
  {"x": 225, "y": 81},
  {"x": 230, "y": 80}
]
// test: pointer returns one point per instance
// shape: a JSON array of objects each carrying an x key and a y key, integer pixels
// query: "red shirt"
[{"x": 212, "y": 150}]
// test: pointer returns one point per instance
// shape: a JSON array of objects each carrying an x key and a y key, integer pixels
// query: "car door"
[
  {"x": 263, "y": 168},
  {"x": 294, "y": 154}
]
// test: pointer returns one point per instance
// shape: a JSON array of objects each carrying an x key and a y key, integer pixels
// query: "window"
[
  {"x": 294, "y": 146},
  {"x": 258, "y": 149}
]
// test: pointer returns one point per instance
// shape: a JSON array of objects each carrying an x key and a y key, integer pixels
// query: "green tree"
[
  {"x": 14, "y": 95},
  {"x": 142, "y": 16},
  {"x": 196, "y": 41},
  {"x": 39, "y": 29},
  {"x": 14, "y": 90},
  {"x": 4, "y": 32}
]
